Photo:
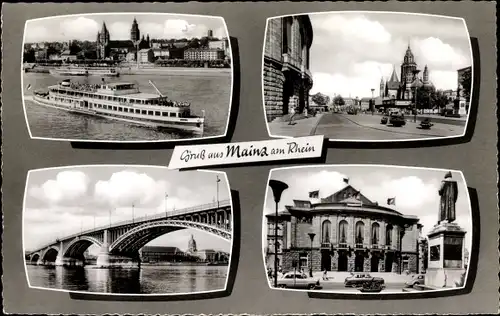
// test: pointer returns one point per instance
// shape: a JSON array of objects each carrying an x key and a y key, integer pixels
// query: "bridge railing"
[{"x": 187, "y": 210}]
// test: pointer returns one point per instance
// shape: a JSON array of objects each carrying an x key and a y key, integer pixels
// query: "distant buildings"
[
  {"x": 203, "y": 54},
  {"x": 287, "y": 79},
  {"x": 146, "y": 55}
]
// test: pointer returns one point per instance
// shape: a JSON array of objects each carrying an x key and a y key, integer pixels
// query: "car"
[
  {"x": 417, "y": 279},
  {"x": 375, "y": 285},
  {"x": 358, "y": 279},
  {"x": 397, "y": 119},
  {"x": 384, "y": 120},
  {"x": 298, "y": 280}
]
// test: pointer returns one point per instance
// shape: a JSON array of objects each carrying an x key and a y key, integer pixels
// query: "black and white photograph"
[
  {"x": 366, "y": 229},
  {"x": 128, "y": 230},
  {"x": 367, "y": 76},
  {"x": 127, "y": 77}
]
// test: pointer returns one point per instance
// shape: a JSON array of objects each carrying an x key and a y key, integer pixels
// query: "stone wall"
[
  {"x": 273, "y": 90},
  {"x": 273, "y": 47}
]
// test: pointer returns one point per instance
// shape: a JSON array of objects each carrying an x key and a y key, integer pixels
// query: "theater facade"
[{"x": 345, "y": 232}]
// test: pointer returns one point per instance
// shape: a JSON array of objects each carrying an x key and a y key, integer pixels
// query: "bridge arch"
[
  {"x": 35, "y": 257},
  {"x": 50, "y": 254},
  {"x": 77, "y": 246},
  {"x": 136, "y": 238}
]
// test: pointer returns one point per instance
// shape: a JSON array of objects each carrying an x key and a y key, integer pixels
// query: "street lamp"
[
  {"x": 278, "y": 187},
  {"x": 415, "y": 75},
  {"x": 311, "y": 235},
  {"x": 133, "y": 206},
  {"x": 218, "y": 180},
  {"x": 373, "y": 102},
  {"x": 166, "y": 208}
]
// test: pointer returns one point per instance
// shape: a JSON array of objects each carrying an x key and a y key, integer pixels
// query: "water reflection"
[{"x": 147, "y": 280}]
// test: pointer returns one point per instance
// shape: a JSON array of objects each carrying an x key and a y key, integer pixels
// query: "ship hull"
[{"x": 194, "y": 126}]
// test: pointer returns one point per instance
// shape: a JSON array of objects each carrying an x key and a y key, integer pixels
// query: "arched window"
[
  {"x": 326, "y": 228},
  {"x": 375, "y": 233},
  {"x": 360, "y": 232},
  {"x": 388, "y": 235},
  {"x": 343, "y": 232}
]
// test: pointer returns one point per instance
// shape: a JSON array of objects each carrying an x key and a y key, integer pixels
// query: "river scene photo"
[
  {"x": 207, "y": 90},
  {"x": 149, "y": 279}
]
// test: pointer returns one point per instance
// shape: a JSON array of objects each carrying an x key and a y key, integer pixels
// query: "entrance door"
[
  {"x": 389, "y": 258},
  {"x": 326, "y": 261},
  {"x": 374, "y": 263},
  {"x": 342, "y": 262},
  {"x": 359, "y": 263}
]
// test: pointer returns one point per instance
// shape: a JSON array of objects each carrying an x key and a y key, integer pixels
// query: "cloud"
[
  {"x": 439, "y": 54},
  {"x": 66, "y": 188},
  {"x": 125, "y": 188},
  {"x": 81, "y": 28},
  {"x": 353, "y": 29},
  {"x": 35, "y": 33},
  {"x": 119, "y": 30}
]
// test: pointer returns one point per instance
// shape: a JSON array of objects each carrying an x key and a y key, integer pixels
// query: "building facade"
[
  {"x": 350, "y": 233},
  {"x": 146, "y": 55},
  {"x": 203, "y": 54},
  {"x": 462, "y": 73},
  {"x": 286, "y": 75}
]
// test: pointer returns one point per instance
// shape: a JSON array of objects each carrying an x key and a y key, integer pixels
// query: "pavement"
[
  {"x": 337, "y": 126},
  {"x": 300, "y": 127}
]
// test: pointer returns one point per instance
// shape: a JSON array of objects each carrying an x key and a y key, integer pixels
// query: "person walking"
[
  {"x": 292, "y": 114},
  {"x": 325, "y": 277}
]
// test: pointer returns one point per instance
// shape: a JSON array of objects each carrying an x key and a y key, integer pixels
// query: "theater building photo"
[{"x": 337, "y": 228}]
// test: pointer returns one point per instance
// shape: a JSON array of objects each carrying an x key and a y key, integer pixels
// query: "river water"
[
  {"x": 146, "y": 280},
  {"x": 207, "y": 91}
]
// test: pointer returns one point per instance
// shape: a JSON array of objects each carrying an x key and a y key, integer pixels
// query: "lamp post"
[
  {"x": 311, "y": 235},
  {"x": 415, "y": 75},
  {"x": 373, "y": 102},
  {"x": 278, "y": 187},
  {"x": 133, "y": 206},
  {"x": 217, "y": 183},
  {"x": 166, "y": 208}
]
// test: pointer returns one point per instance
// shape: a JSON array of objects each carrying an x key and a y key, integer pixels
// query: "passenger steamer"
[
  {"x": 84, "y": 71},
  {"x": 122, "y": 101}
]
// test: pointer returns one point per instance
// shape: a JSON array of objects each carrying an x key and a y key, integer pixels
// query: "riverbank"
[{"x": 167, "y": 71}]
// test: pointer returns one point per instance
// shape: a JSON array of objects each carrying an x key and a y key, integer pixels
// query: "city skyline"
[
  {"x": 85, "y": 27},
  {"x": 352, "y": 51},
  {"x": 77, "y": 197},
  {"x": 415, "y": 190}
]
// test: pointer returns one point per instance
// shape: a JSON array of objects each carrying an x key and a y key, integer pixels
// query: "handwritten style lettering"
[
  {"x": 187, "y": 155},
  {"x": 233, "y": 150}
]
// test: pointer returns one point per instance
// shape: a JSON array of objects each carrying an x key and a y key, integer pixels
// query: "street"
[
  {"x": 368, "y": 127},
  {"x": 339, "y": 287}
]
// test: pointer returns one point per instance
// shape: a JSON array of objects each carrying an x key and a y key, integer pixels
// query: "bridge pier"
[{"x": 107, "y": 260}]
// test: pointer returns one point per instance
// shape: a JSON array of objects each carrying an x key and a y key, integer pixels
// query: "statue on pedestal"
[{"x": 449, "y": 195}]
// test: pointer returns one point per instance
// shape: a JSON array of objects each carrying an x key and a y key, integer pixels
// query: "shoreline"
[{"x": 167, "y": 71}]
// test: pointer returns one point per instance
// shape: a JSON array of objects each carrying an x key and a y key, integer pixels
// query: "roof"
[
  {"x": 392, "y": 85},
  {"x": 144, "y": 50},
  {"x": 160, "y": 249},
  {"x": 141, "y": 96},
  {"x": 344, "y": 195},
  {"x": 121, "y": 44},
  {"x": 115, "y": 84},
  {"x": 394, "y": 76},
  {"x": 365, "y": 99}
]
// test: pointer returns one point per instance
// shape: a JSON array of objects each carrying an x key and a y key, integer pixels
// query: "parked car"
[
  {"x": 357, "y": 280},
  {"x": 416, "y": 280},
  {"x": 384, "y": 120},
  {"x": 298, "y": 280},
  {"x": 374, "y": 285},
  {"x": 397, "y": 119}
]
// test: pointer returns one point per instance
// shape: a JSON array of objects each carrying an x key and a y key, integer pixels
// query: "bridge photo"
[{"x": 127, "y": 229}]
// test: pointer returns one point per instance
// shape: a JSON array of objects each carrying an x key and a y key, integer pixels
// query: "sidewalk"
[
  {"x": 301, "y": 127},
  {"x": 339, "y": 277}
]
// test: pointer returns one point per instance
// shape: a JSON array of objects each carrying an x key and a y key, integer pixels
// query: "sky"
[
  {"x": 352, "y": 51},
  {"x": 415, "y": 190},
  {"x": 85, "y": 27},
  {"x": 63, "y": 201}
]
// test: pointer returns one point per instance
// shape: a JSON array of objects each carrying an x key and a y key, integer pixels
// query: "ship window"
[
  {"x": 144, "y": 112},
  {"x": 150, "y": 113},
  {"x": 157, "y": 113},
  {"x": 125, "y": 110},
  {"x": 114, "y": 108},
  {"x": 164, "y": 113},
  {"x": 104, "y": 106},
  {"x": 120, "y": 109},
  {"x": 138, "y": 111},
  {"x": 172, "y": 114}
]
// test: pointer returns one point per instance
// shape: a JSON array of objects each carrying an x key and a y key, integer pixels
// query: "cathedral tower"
[
  {"x": 192, "y": 245},
  {"x": 382, "y": 87},
  {"x": 426, "y": 74},
  {"x": 135, "y": 34},
  {"x": 102, "y": 42}
]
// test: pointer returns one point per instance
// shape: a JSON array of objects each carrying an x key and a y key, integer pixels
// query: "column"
[
  {"x": 60, "y": 255},
  {"x": 103, "y": 256}
]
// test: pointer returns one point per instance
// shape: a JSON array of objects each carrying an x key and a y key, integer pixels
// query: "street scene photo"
[
  {"x": 367, "y": 76},
  {"x": 127, "y": 77},
  {"x": 366, "y": 229},
  {"x": 128, "y": 230}
]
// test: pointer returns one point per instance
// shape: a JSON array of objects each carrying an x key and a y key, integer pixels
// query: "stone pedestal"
[
  {"x": 446, "y": 256},
  {"x": 462, "y": 110}
]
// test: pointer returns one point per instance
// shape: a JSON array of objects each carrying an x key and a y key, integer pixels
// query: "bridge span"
[{"x": 120, "y": 243}]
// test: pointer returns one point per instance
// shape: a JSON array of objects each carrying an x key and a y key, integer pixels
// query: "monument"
[{"x": 446, "y": 241}]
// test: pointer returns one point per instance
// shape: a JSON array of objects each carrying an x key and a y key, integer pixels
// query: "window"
[
  {"x": 303, "y": 260},
  {"x": 164, "y": 113},
  {"x": 375, "y": 233},
  {"x": 388, "y": 235},
  {"x": 157, "y": 113},
  {"x": 137, "y": 111},
  {"x": 120, "y": 109},
  {"x": 360, "y": 230},
  {"x": 343, "y": 233},
  {"x": 325, "y": 231},
  {"x": 150, "y": 112},
  {"x": 144, "y": 112},
  {"x": 172, "y": 114}
]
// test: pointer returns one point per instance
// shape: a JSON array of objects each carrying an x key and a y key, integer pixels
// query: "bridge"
[{"x": 120, "y": 243}]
